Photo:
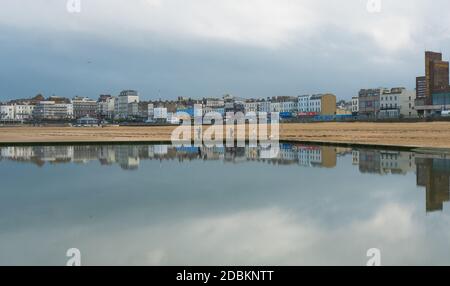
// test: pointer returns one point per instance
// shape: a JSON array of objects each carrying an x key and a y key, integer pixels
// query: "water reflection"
[
  {"x": 432, "y": 171},
  {"x": 162, "y": 205}
]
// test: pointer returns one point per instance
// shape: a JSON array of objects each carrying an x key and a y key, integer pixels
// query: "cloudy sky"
[{"x": 197, "y": 48}]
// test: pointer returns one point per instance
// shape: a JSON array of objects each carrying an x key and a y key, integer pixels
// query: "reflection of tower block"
[
  {"x": 329, "y": 157},
  {"x": 434, "y": 175},
  {"x": 439, "y": 194}
]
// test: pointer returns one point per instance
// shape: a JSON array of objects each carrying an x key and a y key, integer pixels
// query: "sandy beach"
[{"x": 420, "y": 135}]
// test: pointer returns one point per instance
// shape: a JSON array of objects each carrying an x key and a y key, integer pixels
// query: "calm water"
[{"x": 160, "y": 205}]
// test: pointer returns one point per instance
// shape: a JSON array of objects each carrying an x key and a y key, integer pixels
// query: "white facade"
[
  {"x": 24, "y": 112},
  {"x": 251, "y": 106},
  {"x": 396, "y": 104},
  {"x": 49, "y": 110},
  {"x": 124, "y": 99},
  {"x": 303, "y": 103},
  {"x": 106, "y": 108},
  {"x": 7, "y": 112},
  {"x": 15, "y": 112},
  {"x": 214, "y": 102},
  {"x": 160, "y": 113},
  {"x": 407, "y": 106},
  {"x": 315, "y": 104},
  {"x": 275, "y": 107},
  {"x": 133, "y": 109},
  {"x": 264, "y": 106},
  {"x": 289, "y": 106}
]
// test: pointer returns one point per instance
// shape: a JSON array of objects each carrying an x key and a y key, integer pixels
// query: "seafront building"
[
  {"x": 105, "y": 106},
  {"x": 84, "y": 107},
  {"x": 369, "y": 102},
  {"x": 16, "y": 112},
  {"x": 317, "y": 104},
  {"x": 433, "y": 89},
  {"x": 52, "y": 110},
  {"x": 382, "y": 103},
  {"x": 124, "y": 99},
  {"x": 397, "y": 102}
]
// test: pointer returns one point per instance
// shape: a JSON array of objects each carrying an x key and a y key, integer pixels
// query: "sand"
[{"x": 421, "y": 135}]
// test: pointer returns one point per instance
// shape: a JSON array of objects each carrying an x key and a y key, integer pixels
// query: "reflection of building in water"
[
  {"x": 212, "y": 153},
  {"x": 287, "y": 153},
  {"x": 17, "y": 153},
  {"x": 127, "y": 156},
  {"x": 160, "y": 150},
  {"x": 54, "y": 154},
  {"x": 316, "y": 156},
  {"x": 106, "y": 155},
  {"x": 355, "y": 157},
  {"x": 369, "y": 161},
  {"x": 343, "y": 151},
  {"x": 252, "y": 153},
  {"x": 433, "y": 171},
  {"x": 309, "y": 155},
  {"x": 395, "y": 162},
  {"x": 384, "y": 162},
  {"x": 84, "y": 154},
  {"x": 235, "y": 154},
  {"x": 434, "y": 174},
  {"x": 328, "y": 157}
]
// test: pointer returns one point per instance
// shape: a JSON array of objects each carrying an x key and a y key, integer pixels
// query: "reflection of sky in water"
[{"x": 132, "y": 205}]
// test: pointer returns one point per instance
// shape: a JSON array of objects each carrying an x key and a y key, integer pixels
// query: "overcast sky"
[{"x": 197, "y": 48}]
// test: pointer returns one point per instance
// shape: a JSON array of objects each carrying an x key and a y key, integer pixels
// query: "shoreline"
[{"x": 431, "y": 136}]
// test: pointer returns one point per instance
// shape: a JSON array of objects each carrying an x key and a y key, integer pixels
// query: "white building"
[
  {"x": 84, "y": 107},
  {"x": 125, "y": 98},
  {"x": 315, "y": 103},
  {"x": 49, "y": 110},
  {"x": 23, "y": 112},
  {"x": 397, "y": 102},
  {"x": 355, "y": 104},
  {"x": 264, "y": 106},
  {"x": 251, "y": 106},
  {"x": 275, "y": 107},
  {"x": 7, "y": 112},
  {"x": 289, "y": 106},
  {"x": 160, "y": 113},
  {"x": 105, "y": 107},
  {"x": 16, "y": 112},
  {"x": 303, "y": 103},
  {"x": 214, "y": 103},
  {"x": 133, "y": 109}
]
